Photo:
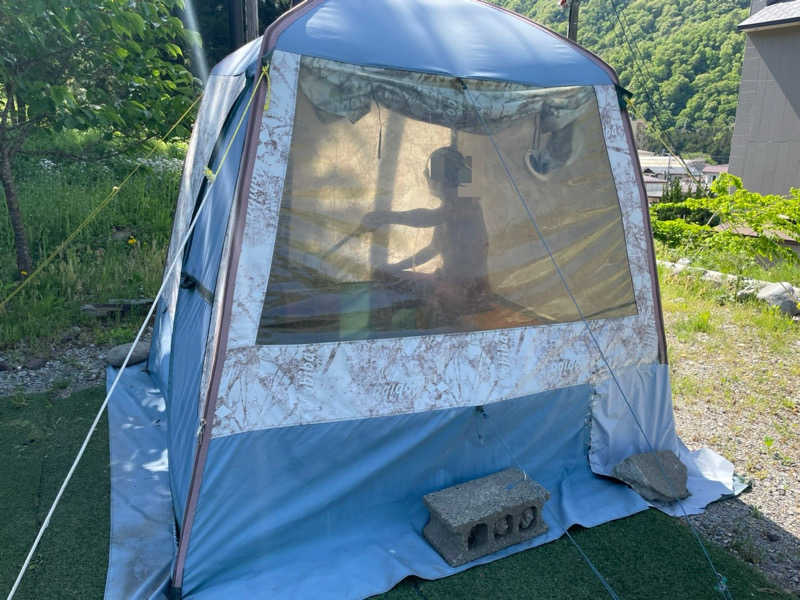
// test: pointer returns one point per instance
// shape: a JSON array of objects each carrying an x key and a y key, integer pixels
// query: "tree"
[
  {"x": 680, "y": 58},
  {"x": 111, "y": 65}
]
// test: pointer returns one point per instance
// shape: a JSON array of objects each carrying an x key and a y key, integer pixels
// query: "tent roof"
[{"x": 460, "y": 38}]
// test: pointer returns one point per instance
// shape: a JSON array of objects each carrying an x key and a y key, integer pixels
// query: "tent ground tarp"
[{"x": 142, "y": 534}]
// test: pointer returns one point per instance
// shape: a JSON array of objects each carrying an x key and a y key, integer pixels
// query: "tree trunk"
[{"x": 24, "y": 263}]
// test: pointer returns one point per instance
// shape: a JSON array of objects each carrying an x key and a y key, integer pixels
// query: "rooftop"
[{"x": 780, "y": 14}]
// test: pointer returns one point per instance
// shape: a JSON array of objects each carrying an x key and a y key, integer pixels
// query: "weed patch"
[{"x": 119, "y": 255}]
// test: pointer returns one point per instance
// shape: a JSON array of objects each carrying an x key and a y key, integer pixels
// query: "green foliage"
[
  {"x": 678, "y": 233},
  {"x": 670, "y": 211},
  {"x": 767, "y": 220},
  {"x": 691, "y": 57},
  {"x": 108, "y": 65},
  {"x": 698, "y": 323},
  {"x": 770, "y": 217},
  {"x": 92, "y": 63}
]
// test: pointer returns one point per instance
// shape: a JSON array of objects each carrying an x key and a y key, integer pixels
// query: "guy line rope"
[{"x": 211, "y": 176}]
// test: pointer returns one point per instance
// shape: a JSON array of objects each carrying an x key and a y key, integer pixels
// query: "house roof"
[
  {"x": 781, "y": 14},
  {"x": 716, "y": 169},
  {"x": 659, "y": 164},
  {"x": 651, "y": 179},
  {"x": 748, "y": 232}
]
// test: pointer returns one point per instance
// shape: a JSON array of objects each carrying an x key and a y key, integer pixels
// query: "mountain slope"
[{"x": 689, "y": 59}]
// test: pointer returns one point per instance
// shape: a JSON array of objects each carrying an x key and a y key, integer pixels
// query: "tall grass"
[
  {"x": 103, "y": 262},
  {"x": 719, "y": 260}
]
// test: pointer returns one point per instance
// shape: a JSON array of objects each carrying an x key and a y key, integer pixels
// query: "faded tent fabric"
[{"x": 356, "y": 325}]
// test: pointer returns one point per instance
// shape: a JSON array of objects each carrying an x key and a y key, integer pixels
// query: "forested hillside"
[{"x": 688, "y": 60}]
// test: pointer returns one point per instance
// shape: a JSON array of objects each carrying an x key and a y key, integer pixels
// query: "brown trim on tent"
[
  {"x": 207, "y": 423},
  {"x": 651, "y": 256},
  {"x": 240, "y": 210}
]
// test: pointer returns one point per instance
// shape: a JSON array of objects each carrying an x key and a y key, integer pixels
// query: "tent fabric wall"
[
  {"x": 318, "y": 454},
  {"x": 195, "y": 302},
  {"x": 335, "y": 510},
  {"x": 363, "y": 375},
  {"x": 219, "y": 96}
]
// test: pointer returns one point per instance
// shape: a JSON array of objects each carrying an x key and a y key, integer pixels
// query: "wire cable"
[
  {"x": 178, "y": 257},
  {"x": 554, "y": 518},
  {"x": 721, "y": 585},
  {"x": 92, "y": 214}
]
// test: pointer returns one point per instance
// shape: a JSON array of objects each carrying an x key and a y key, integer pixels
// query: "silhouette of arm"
[{"x": 420, "y": 258}]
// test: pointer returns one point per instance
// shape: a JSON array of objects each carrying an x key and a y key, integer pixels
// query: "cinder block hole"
[
  {"x": 503, "y": 526},
  {"x": 528, "y": 518},
  {"x": 478, "y": 536}
]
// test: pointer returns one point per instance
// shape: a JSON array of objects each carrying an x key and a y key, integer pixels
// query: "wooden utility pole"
[
  {"x": 572, "y": 32},
  {"x": 236, "y": 23},
  {"x": 251, "y": 19}
]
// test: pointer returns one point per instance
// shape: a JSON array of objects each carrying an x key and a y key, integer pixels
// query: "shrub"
[{"x": 669, "y": 211}]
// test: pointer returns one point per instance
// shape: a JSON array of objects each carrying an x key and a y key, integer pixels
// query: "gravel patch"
[
  {"x": 737, "y": 391},
  {"x": 68, "y": 367}
]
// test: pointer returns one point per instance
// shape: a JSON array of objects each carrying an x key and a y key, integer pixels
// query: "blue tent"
[{"x": 423, "y": 255}]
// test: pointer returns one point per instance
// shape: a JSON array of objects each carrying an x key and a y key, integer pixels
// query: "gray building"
[{"x": 765, "y": 149}]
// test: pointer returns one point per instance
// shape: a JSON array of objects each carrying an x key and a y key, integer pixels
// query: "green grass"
[
  {"x": 718, "y": 260},
  {"x": 96, "y": 266},
  {"x": 648, "y": 555},
  {"x": 39, "y": 438}
]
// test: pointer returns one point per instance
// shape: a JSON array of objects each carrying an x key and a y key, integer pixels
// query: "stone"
[
  {"x": 747, "y": 293},
  {"x": 4, "y": 366},
  {"x": 772, "y": 536},
  {"x": 782, "y": 295},
  {"x": 655, "y": 476},
  {"x": 116, "y": 356},
  {"x": 34, "y": 363},
  {"x": 789, "y": 307},
  {"x": 484, "y": 515}
]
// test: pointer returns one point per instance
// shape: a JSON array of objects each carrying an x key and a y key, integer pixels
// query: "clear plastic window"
[{"x": 399, "y": 216}]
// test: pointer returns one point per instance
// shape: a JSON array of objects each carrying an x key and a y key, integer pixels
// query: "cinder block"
[{"x": 484, "y": 515}]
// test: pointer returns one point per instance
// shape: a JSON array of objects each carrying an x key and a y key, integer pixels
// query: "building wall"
[{"x": 765, "y": 150}]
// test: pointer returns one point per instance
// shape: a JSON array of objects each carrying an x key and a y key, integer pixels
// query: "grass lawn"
[{"x": 648, "y": 555}]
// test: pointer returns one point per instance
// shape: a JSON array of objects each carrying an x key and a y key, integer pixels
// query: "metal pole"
[
  {"x": 572, "y": 32},
  {"x": 251, "y": 19}
]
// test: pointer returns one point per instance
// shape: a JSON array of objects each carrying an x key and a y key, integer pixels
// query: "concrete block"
[{"x": 484, "y": 515}]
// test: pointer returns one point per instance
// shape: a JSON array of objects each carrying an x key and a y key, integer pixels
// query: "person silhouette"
[{"x": 460, "y": 286}]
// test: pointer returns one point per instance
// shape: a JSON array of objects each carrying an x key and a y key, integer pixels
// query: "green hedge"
[{"x": 670, "y": 211}]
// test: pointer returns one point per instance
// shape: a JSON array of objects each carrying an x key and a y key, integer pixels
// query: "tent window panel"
[{"x": 398, "y": 217}]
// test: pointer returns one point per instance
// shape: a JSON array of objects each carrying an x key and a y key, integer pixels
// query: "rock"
[
  {"x": 714, "y": 277},
  {"x": 747, "y": 293},
  {"x": 121, "y": 234},
  {"x": 116, "y": 356},
  {"x": 484, "y": 515},
  {"x": 646, "y": 472},
  {"x": 73, "y": 333},
  {"x": 4, "y": 366},
  {"x": 789, "y": 307},
  {"x": 782, "y": 295},
  {"x": 772, "y": 536},
  {"x": 34, "y": 363}
]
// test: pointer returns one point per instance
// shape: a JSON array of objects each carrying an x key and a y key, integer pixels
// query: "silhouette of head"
[{"x": 448, "y": 168}]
